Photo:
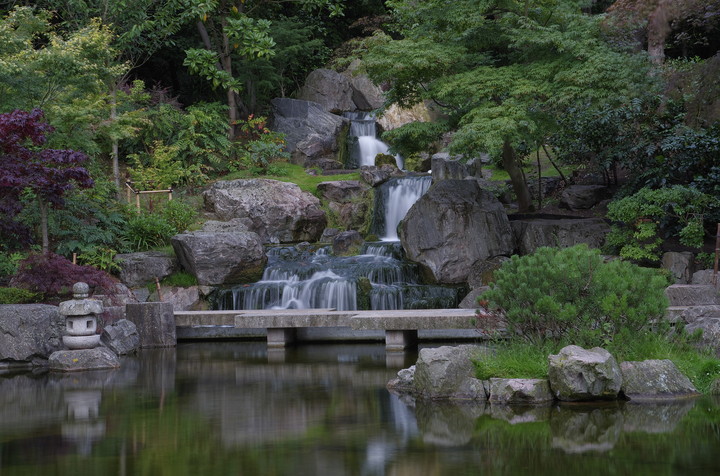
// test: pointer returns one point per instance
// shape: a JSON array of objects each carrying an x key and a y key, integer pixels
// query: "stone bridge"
[{"x": 400, "y": 326}]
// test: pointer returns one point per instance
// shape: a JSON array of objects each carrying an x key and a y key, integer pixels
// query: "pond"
[{"x": 232, "y": 408}]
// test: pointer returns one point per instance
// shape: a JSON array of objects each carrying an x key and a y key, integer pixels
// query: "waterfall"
[
  {"x": 308, "y": 279},
  {"x": 393, "y": 201},
  {"x": 364, "y": 128}
]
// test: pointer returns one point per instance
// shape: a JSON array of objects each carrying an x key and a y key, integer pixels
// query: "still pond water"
[{"x": 233, "y": 409}]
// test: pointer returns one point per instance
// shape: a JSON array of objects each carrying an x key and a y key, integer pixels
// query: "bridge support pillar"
[
  {"x": 400, "y": 340},
  {"x": 280, "y": 337}
]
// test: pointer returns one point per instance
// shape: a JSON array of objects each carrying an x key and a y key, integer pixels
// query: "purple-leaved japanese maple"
[{"x": 27, "y": 165}]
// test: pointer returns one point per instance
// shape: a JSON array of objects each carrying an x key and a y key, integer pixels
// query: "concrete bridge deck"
[{"x": 400, "y": 326}]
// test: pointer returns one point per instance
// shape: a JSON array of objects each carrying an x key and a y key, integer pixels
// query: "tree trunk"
[
  {"x": 44, "y": 225},
  {"x": 115, "y": 154},
  {"x": 516, "y": 177}
]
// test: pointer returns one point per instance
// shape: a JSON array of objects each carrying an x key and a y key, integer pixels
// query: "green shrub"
[
  {"x": 100, "y": 258},
  {"x": 9, "y": 263},
  {"x": 148, "y": 230},
  {"x": 571, "y": 295},
  {"x": 649, "y": 215},
  {"x": 18, "y": 296},
  {"x": 178, "y": 214}
]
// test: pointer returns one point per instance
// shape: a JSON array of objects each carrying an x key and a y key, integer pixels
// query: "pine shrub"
[{"x": 571, "y": 295}]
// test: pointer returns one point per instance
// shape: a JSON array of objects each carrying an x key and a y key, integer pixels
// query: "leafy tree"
[
  {"x": 500, "y": 69},
  {"x": 237, "y": 32},
  {"x": 28, "y": 168},
  {"x": 687, "y": 25}
]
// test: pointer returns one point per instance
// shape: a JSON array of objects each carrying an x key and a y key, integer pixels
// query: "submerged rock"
[
  {"x": 85, "y": 359},
  {"x": 515, "y": 390}
]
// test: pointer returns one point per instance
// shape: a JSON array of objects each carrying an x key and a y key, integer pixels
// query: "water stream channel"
[{"x": 227, "y": 408}]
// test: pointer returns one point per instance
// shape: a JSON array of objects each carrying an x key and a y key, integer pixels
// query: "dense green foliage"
[
  {"x": 646, "y": 218},
  {"x": 17, "y": 296},
  {"x": 571, "y": 295}
]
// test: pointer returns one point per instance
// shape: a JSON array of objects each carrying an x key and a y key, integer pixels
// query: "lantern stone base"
[{"x": 86, "y": 359}]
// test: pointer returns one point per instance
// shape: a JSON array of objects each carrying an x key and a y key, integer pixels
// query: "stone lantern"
[
  {"x": 81, "y": 337},
  {"x": 81, "y": 319}
]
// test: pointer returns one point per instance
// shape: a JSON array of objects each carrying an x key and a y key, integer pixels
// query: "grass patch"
[
  {"x": 518, "y": 359},
  {"x": 701, "y": 367},
  {"x": 180, "y": 279},
  {"x": 295, "y": 174},
  {"x": 515, "y": 359}
]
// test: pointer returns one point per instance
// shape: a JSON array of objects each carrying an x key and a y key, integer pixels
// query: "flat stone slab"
[
  {"x": 86, "y": 359},
  {"x": 414, "y": 319},
  {"x": 205, "y": 318},
  {"x": 293, "y": 318}
]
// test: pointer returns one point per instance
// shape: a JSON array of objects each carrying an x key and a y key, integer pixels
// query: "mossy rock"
[{"x": 385, "y": 159}]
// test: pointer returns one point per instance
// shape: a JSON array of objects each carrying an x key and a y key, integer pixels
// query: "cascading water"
[
  {"x": 306, "y": 279},
  {"x": 393, "y": 200},
  {"x": 364, "y": 128}
]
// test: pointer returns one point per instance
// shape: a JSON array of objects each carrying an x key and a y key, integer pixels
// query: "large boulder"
[
  {"x": 29, "y": 333},
  {"x": 347, "y": 243},
  {"x": 515, "y": 390},
  {"x": 332, "y": 90},
  {"x": 279, "y": 212},
  {"x": 366, "y": 95},
  {"x": 578, "y": 374},
  {"x": 138, "y": 269},
  {"x": 447, "y": 372},
  {"x": 531, "y": 234},
  {"x": 121, "y": 337},
  {"x": 396, "y": 116},
  {"x": 221, "y": 258},
  {"x": 311, "y": 133},
  {"x": 681, "y": 265},
  {"x": 446, "y": 167},
  {"x": 710, "y": 327},
  {"x": 454, "y": 225},
  {"x": 581, "y": 429},
  {"x": 579, "y": 197},
  {"x": 655, "y": 379}
]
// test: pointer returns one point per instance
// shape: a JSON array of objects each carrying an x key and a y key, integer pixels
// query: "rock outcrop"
[
  {"x": 453, "y": 226},
  {"x": 531, "y": 234},
  {"x": 279, "y": 212},
  {"x": 578, "y": 374},
  {"x": 221, "y": 258}
]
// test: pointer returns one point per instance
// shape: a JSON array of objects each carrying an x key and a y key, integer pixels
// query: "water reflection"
[{"x": 229, "y": 408}]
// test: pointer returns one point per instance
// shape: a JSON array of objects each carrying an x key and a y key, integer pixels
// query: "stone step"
[{"x": 692, "y": 294}]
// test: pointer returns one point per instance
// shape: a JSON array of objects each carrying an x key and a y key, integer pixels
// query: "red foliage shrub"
[{"x": 54, "y": 276}]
